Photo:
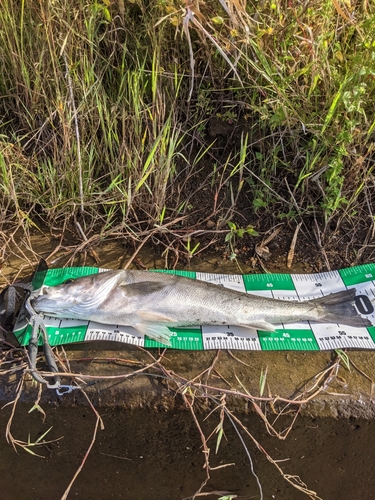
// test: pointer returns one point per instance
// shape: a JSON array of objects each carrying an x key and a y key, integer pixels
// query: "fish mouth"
[
  {"x": 53, "y": 304},
  {"x": 48, "y": 305}
]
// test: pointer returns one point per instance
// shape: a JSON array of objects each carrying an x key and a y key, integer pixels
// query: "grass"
[{"x": 106, "y": 113}]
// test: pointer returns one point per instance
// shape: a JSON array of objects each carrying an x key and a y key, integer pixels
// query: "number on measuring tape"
[{"x": 363, "y": 304}]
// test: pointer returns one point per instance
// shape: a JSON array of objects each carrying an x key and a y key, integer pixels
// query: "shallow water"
[{"x": 145, "y": 454}]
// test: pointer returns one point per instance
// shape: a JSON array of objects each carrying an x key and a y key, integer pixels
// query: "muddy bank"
[{"x": 348, "y": 394}]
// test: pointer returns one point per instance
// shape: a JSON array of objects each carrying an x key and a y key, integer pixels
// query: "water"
[{"x": 147, "y": 454}]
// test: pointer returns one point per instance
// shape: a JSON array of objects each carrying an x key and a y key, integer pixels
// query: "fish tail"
[{"x": 340, "y": 308}]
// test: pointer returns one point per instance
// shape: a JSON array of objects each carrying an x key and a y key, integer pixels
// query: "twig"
[
  {"x": 206, "y": 450},
  {"x": 78, "y": 139},
  {"x": 289, "y": 260},
  {"x": 66, "y": 492},
  {"x": 237, "y": 359},
  {"x": 92, "y": 252},
  {"x": 8, "y": 433}
]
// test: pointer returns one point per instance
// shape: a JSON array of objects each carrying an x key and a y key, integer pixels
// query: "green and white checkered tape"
[{"x": 301, "y": 336}]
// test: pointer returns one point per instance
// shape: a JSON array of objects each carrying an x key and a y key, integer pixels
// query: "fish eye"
[{"x": 69, "y": 280}]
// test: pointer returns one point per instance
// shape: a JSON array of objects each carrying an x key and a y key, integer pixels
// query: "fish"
[{"x": 152, "y": 302}]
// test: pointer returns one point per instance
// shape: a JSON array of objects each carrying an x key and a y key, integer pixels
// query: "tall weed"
[{"x": 107, "y": 108}]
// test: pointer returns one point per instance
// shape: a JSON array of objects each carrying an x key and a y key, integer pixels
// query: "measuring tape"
[{"x": 301, "y": 336}]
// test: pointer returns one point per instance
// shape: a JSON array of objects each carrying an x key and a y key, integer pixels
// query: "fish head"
[{"x": 77, "y": 297}]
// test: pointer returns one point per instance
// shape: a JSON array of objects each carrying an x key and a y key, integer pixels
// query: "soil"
[{"x": 214, "y": 197}]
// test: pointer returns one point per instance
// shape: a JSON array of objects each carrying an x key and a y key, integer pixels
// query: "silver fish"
[{"x": 151, "y": 302}]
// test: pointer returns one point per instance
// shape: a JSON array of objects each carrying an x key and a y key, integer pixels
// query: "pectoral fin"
[
  {"x": 155, "y": 317},
  {"x": 155, "y": 331},
  {"x": 261, "y": 325}
]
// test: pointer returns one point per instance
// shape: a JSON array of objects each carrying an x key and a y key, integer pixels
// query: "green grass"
[{"x": 105, "y": 111}]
